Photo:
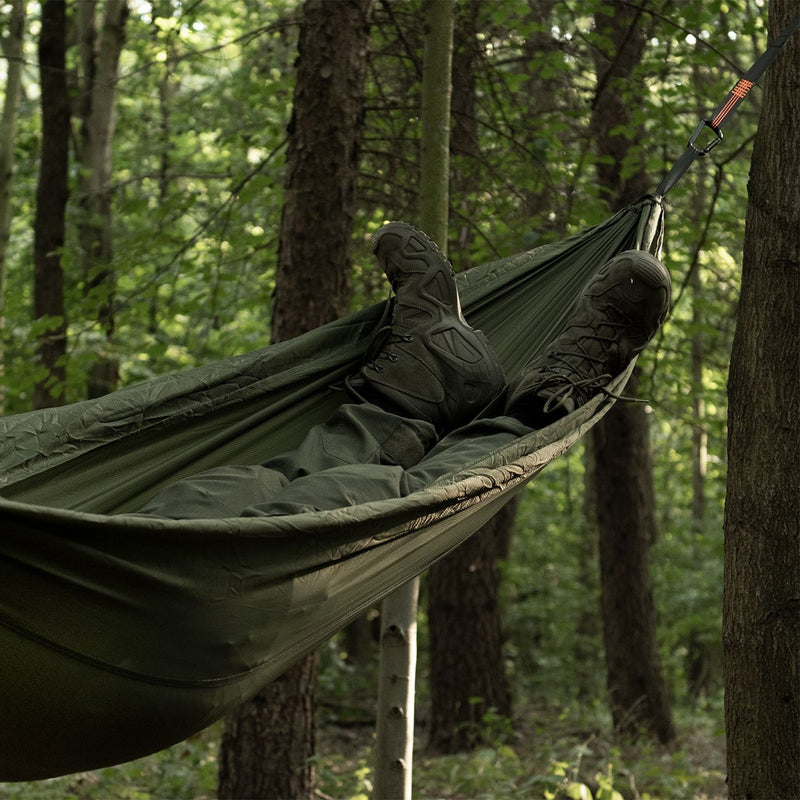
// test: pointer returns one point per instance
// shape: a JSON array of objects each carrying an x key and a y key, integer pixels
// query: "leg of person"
[
  {"x": 338, "y": 487},
  {"x": 357, "y": 434},
  {"x": 354, "y": 434},
  {"x": 431, "y": 364},
  {"x": 431, "y": 372},
  {"x": 617, "y": 314}
]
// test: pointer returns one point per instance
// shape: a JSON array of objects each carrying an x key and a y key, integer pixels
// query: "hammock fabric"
[{"x": 121, "y": 635}]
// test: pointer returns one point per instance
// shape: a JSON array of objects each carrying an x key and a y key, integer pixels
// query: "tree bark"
[
  {"x": 8, "y": 134},
  {"x": 699, "y": 434},
  {"x": 312, "y": 284},
  {"x": 623, "y": 470},
  {"x": 394, "y": 740},
  {"x": 437, "y": 86},
  {"x": 589, "y": 623},
  {"x": 434, "y": 197},
  {"x": 51, "y": 201},
  {"x": 761, "y": 600},
  {"x": 268, "y": 743},
  {"x": 698, "y": 650},
  {"x": 623, "y": 474},
  {"x": 698, "y": 348},
  {"x": 467, "y": 670},
  {"x": 100, "y": 61},
  {"x": 162, "y": 145}
]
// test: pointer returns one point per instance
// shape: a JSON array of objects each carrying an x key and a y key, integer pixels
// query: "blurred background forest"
[{"x": 177, "y": 266}]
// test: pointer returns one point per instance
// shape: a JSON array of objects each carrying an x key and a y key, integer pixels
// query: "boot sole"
[
  {"x": 415, "y": 254},
  {"x": 644, "y": 266}
]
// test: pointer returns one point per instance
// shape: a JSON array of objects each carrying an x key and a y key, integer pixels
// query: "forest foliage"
[{"x": 203, "y": 103}]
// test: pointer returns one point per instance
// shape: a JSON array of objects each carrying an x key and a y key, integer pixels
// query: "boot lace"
[
  {"x": 575, "y": 373},
  {"x": 379, "y": 347},
  {"x": 382, "y": 343},
  {"x": 579, "y": 372}
]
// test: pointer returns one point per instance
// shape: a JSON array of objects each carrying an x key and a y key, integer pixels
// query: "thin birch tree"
[
  {"x": 394, "y": 747},
  {"x": 99, "y": 56}
]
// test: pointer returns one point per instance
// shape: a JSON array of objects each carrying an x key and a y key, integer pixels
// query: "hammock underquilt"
[{"x": 121, "y": 635}]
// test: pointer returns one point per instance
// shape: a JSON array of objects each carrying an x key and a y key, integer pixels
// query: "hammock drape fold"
[{"x": 121, "y": 635}]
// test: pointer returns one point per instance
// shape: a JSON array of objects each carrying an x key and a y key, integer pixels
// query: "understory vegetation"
[{"x": 551, "y": 753}]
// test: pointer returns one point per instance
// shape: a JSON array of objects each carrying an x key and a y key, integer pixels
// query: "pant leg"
[
  {"x": 337, "y": 487},
  {"x": 343, "y": 485},
  {"x": 360, "y": 434},
  {"x": 216, "y": 493},
  {"x": 357, "y": 434},
  {"x": 462, "y": 447}
]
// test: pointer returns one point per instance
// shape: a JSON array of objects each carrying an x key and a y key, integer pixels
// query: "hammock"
[{"x": 121, "y": 635}]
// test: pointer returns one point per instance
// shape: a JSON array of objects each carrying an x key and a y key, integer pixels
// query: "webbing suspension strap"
[{"x": 724, "y": 110}]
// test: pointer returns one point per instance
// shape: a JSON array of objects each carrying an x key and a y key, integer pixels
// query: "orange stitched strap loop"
[
  {"x": 735, "y": 96},
  {"x": 738, "y": 93}
]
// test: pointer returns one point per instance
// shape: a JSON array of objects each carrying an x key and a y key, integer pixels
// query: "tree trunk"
[
  {"x": 699, "y": 434},
  {"x": 434, "y": 195},
  {"x": 312, "y": 288},
  {"x": 268, "y": 742},
  {"x": 588, "y": 625},
  {"x": 434, "y": 179},
  {"x": 623, "y": 474},
  {"x": 467, "y": 674},
  {"x": 313, "y": 281},
  {"x": 623, "y": 469},
  {"x": 99, "y": 60},
  {"x": 467, "y": 670},
  {"x": 761, "y": 600},
  {"x": 8, "y": 135},
  {"x": 51, "y": 201},
  {"x": 539, "y": 88},
  {"x": 394, "y": 741},
  {"x": 698, "y": 354},
  {"x": 162, "y": 145}
]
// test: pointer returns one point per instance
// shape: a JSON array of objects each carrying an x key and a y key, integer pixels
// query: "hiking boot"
[
  {"x": 430, "y": 364},
  {"x": 617, "y": 314}
]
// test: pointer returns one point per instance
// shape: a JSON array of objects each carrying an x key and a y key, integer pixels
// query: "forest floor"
[{"x": 549, "y": 753}]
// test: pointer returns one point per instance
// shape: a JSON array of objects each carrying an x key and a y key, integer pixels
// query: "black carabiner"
[{"x": 703, "y": 124}]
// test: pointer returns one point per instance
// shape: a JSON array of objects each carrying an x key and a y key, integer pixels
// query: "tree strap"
[{"x": 724, "y": 110}]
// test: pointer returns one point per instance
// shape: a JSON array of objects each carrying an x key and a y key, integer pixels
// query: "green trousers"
[{"x": 360, "y": 454}]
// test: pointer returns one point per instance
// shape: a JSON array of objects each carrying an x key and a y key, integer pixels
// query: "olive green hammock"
[{"x": 121, "y": 635}]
